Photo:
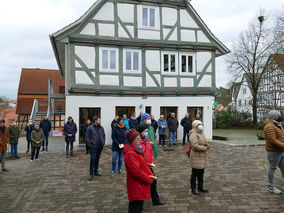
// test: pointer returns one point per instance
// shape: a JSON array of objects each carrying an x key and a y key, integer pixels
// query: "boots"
[{"x": 200, "y": 182}]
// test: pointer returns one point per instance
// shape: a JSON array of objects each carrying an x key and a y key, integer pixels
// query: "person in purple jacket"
[
  {"x": 69, "y": 130},
  {"x": 95, "y": 138}
]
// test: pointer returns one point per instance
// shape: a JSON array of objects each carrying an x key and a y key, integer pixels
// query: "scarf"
[
  {"x": 277, "y": 123},
  {"x": 140, "y": 149},
  {"x": 121, "y": 126}
]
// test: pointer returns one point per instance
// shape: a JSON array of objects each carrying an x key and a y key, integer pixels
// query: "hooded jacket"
[
  {"x": 274, "y": 136},
  {"x": 14, "y": 134},
  {"x": 37, "y": 135},
  {"x": 70, "y": 128},
  {"x": 138, "y": 174},
  {"x": 198, "y": 153}
]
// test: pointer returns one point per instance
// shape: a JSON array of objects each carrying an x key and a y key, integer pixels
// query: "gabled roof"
[
  {"x": 235, "y": 89},
  {"x": 279, "y": 60},
  {"x": 35, "y": 81},
  {"x": 60, "y": 34}
]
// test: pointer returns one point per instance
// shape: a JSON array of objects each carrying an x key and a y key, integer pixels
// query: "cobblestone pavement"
[{"x": 236, "y": 179}]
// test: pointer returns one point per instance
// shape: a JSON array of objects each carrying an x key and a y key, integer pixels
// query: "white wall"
[{"x": 108, "y": 104}]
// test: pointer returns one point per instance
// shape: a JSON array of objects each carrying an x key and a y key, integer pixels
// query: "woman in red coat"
[{"x": 139, "y": 176}]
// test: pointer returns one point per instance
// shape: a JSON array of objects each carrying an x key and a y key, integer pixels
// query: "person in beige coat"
[{"x": 198, "y": 156}]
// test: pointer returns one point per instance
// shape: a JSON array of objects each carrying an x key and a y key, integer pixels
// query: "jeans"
[
  {"x": 71, "y": 147},
  {"x": 95, "y": 159},
  {"x": 45, "y": 141},
  {"x": 116, "y": 155},
  {"x": 276, "y": 159},
  {"x": 35, "y": 152},
  {"x": 185, "y": 135},
  {"x": 162, "y": 139},
  {"x": 135, "y": 206},
  {"x": 197, "y": 174},
  {"x": 14, "y": 149},
  {"x": 172, "y": 134}
]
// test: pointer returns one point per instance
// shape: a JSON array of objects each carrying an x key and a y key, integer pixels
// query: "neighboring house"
[
  {"x": 34, "y": 85},
  {"x": 235, "y": 88},
  {"x": 242, "y": 96},
  {"x": 123, "y": 57},
  {"x": 271, "y": 89},
  {"x": 12, "y": 103},
  {"x": 8, "y": 114},
  {"x": 223, "y": 97}
]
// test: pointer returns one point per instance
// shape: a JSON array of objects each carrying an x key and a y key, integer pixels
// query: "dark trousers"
[
  {"x": 45, "y": 141},
  {"x": 162, "y": 139},
  {"x": 154, "y": 194},
  {"x": 197, "y": 174},
  {"x": 87, "y": 149},
  {"x": 28, "y": 145},
  {"x": 35, "y": 152},
  {"x": 95, "y": 159},
  {"x": 135, "y": 206},
  {"x": 185, "y": 135},
  {"x": 69, "y": 143}
]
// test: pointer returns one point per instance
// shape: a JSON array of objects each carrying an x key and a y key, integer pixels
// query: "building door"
[
  {"x": 120, "y": 111},
  {"x": 148, "y": 110},
  {"x": 193, "y": 111},
  {"x": 84, "y": 115},
  {"x": 167, "y": 111}
]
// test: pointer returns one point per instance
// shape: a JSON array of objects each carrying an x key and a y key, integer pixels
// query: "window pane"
[
  {"x": 152, "y": 17},
  {"x": 173, "y": 63},
  {"x": 145, "y": 17},
  {"x": 128, "y": 60},
  {"x": 112, "y": 59},
  {"x": 135, "y": 61},
  {"x": 166, "y": 63},
  {"x": 105, "y": 59},
  {"x": 189, "y": 63},
  {"x": 183, "y": 63}
]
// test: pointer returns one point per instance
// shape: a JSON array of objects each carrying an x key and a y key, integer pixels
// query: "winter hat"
[
  {"x": 273, "y": 114},
  {"x": 70, "y": 118},
  {"x": 144, "y": 116},
  {"x": 131, "y": 135},
  {"x": 196, "y": 123},
  {"x": 141, "y": 128}
]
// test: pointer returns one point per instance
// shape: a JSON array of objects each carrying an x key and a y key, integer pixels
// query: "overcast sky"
[{"x": 25, "y": 26}]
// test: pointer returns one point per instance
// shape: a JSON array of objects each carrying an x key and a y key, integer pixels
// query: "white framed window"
[
  {"x": 169, "y": 63},
  {"x": 108, "y": 59},
  {"x": 187, "y": 63},
  {"x": 132, "y": 61},
  {"x": 149, "y": 17},
  {"x": 240, "y": 103},
  {"x": 244, "y": 91}
]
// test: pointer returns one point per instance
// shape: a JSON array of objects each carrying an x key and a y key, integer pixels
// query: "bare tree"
[
  {"x": 249, "y": 56},
  {"x": 4, "y": 104}
]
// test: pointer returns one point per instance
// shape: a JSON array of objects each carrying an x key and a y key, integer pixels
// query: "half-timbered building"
[{"x": 127, "y": 56}]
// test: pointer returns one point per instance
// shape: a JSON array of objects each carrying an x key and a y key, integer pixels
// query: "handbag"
[{"x": 188, "y": 149}]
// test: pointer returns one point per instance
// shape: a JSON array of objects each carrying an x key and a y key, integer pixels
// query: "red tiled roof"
[
  {"x": 279, "y": 60},
  {"x": 13, "y": 101},
  {"x": 35, "y": 81},
  {"x": 34, "y": 84}
]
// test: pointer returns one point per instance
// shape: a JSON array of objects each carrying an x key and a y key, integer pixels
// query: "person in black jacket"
[
  {"x": 84, "y": 130},
  {"x": 154, "y": 123},
  {"x": 45, "y": 125},
  {"x": 133, "y": 123},
  {"x": 139, "y": 117},
  {"x": 95, "y": 138},
  {"x": 173, "y": 125},
  {"x": 187, "y": 126},
  {"x": 69, "y": 130},
  {"x": 114, "y": 122},
  {"x": 29, "y": 128},
  {"x": 118, "y": 142}
]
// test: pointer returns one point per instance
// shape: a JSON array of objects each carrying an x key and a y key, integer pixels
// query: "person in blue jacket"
[
  {"x": 45, "y": 125},
  {"x": 163, "y": 125},
  {"x": 29, "y": 128},
  {"x": 118, "y": 142},
  {"x": 126, "y": 122},
  {"x": 69, "y": 130}
]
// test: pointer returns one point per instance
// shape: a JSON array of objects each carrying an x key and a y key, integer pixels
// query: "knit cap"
[
  {"x": 144, "y": 116},
  {"x": 141, "y": 128},
  {"x": 196, "y": 123},
  {"x": 131, "y": 135},
  {"x": 273, "y": 114}
]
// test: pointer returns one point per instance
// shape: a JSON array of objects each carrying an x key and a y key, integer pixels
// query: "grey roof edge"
[
  {"x": 224, "y": 49},
  {"x": 53, "y": 44}
]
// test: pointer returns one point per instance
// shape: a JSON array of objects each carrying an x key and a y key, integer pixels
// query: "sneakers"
[
  {"x": 160, "y": 146},
  {"x": 37, "y": 159},
  {"x": 165, "y": 146},
  {"x": 113, "y": 173},
  {"x": 91, "y": 177},
  {"x": 274, "y": 190},
  {"x": 31, "y": 160}
]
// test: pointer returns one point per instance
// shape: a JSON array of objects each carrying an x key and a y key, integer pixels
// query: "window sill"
[{"x": 149, "y": 28}]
